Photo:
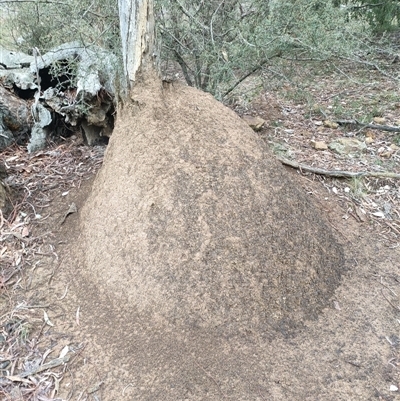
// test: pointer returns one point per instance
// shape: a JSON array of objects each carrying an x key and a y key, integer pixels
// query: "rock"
[
  {"x": 330, "y": 124},
  {"x": 394, "y": 147},
  {"x": 379, "y": 120},
  {"x": 319, "y": 145},
  {"x": 346, "y": 146},
  {"x": 256, "y": 123}
]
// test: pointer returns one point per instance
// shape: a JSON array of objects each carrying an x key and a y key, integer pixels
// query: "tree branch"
[
  {"x": 370, "y": 126},
  {"x": 187, "y": 13},
  {"x": 255, "y": 69},
  {"x": 337, "y": 173}
]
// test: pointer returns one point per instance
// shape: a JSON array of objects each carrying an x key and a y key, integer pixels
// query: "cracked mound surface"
[{"x": 193, "y": 224}]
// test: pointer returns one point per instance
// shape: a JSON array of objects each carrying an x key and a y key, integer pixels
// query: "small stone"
[
  {"x": 386, "y": 155},
  {"x": 379, "y": 120},
  {"x": 393, "y": 388},
  {"x": 370, "y": 134},
  {"x": 330, "y": 124},
  {"x": 256, "y": 123},
  {"x": 345, "y": 146},
  {"x": 318, "y": 123},
  {"x": 394, "y": 147},
  {"x": 369, "y": 140},
  {"x": 319, "y": 145}
]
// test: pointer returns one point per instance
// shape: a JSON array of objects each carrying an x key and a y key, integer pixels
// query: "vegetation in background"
[
  {"x": 216, "y": 43},
  {"x": 382, "y": 15},
  {"x": 219, "y": 43}
]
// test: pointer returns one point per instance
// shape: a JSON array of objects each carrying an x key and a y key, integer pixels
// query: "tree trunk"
[{"x": 138, "y": 37}]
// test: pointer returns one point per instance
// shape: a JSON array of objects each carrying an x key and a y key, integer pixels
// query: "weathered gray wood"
[
  {"x": 89, "y": 103},
  {"x": 137, "y": 33}
]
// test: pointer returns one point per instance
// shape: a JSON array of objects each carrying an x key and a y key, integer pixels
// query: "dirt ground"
[{"x": 350, "y": 352}]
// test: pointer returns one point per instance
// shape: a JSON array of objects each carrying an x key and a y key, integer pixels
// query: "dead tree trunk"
[
  {"x": 15, "y": 118},
  {"x": 138, "y": 38}
]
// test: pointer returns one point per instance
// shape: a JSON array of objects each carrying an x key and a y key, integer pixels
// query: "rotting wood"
[
  {"x": 337, "y": 173},
  {"x": 370, "y": 126}
]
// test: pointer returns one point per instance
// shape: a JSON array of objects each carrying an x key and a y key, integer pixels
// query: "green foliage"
[
  {"x": 48, "y": 24},
  {"x": 382, "y": 15},
  {"x": 218, "y": 43},
  {"x": 357, "y": 187}
]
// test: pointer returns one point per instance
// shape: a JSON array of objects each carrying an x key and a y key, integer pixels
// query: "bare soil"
[{"x": 344, "y": 345}]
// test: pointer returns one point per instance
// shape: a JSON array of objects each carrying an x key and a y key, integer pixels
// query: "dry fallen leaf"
[
  {"x": 46, "y": 319},
  {"x": 64, "y": 351},
  {"x": 95, "y": 388},
  {"x": 18, "y": 379},
  {"x": 360, "y": 214},
  {"x": 77, "y": 315},
  {"x": 25, "y": 232}
]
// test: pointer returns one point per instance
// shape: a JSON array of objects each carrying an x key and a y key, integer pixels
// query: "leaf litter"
[
  {"x": 331, "y": 108},
  {"x": 28, "y": 371}
]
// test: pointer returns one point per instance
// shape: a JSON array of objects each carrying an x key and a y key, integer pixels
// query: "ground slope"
[{"x": 196, "y": 252}]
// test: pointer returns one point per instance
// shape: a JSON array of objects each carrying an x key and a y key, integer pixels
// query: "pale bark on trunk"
[{"x": 137, "y": 34}]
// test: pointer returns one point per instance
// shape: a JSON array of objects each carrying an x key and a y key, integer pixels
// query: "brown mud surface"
[{"x": 134, "y": 343}]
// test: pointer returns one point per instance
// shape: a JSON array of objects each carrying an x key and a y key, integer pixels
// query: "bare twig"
[{"x": 255, "y": 69}]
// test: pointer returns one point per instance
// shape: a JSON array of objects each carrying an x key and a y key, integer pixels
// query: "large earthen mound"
[{"x": 193, "y": 223}]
